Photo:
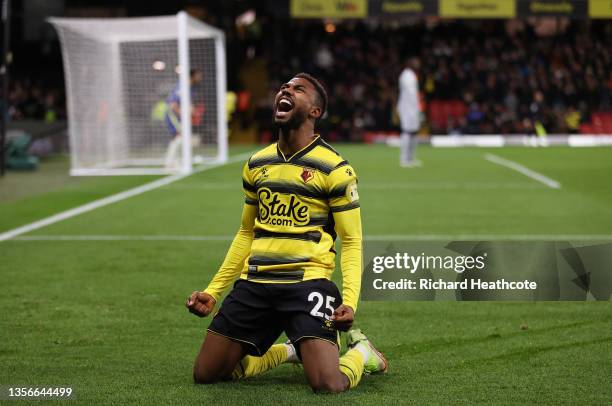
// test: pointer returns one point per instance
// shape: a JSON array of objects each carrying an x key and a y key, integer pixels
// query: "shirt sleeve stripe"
[
  {"x": 341, "y": 164},
  {"x": 246, "y": 185},
  {"x": 345, "y": 207},
  {"x": 263, "y": 161},
  {"x": 338, "y": 191}
]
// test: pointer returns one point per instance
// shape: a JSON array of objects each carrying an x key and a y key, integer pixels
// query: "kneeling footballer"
[{"x": 300, "y": 194}]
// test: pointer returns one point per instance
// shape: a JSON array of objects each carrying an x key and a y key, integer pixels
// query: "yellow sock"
[
  {"x": 351, "y": 365},
  {"x": 251, "y": 366}
]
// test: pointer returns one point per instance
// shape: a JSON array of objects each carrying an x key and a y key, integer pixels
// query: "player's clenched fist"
[
  {"x": 343, "y": 317},
  {"x": 200, "y": 303}
]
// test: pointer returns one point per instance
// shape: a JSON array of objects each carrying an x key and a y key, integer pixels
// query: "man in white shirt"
[{"x": 409, "y": 112}]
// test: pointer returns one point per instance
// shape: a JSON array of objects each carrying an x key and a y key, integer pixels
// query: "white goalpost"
[{"x": 144, "y": 95}]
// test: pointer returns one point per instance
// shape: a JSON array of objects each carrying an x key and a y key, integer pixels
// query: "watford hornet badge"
[
  {"x": 328, "y": 325},
  {"x": 307, "y": 174}
]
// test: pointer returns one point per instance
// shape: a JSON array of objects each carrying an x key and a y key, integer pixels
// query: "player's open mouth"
[{"x": 283, "y": 107}]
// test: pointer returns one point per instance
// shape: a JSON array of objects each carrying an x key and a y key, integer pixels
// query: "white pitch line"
[
  {"x": 524, "y": 185},
  {"x": 389, "y": 237},
  {"x": 124, "y": 238},
  {"x": 96, "y": 204},
  {"x": 551, "y": 183}
]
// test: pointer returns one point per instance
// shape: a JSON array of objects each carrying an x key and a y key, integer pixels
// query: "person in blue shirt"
[{"x": 172, "y": 118}]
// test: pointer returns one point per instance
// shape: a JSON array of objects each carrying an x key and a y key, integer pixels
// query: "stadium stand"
[{"x": 477, "y": 77}]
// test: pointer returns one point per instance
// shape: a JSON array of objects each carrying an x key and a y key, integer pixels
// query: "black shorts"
[{"x": 257, "y": 313}]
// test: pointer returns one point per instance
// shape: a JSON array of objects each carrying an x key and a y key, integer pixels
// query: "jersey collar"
[{"x": 301, "y": 152}]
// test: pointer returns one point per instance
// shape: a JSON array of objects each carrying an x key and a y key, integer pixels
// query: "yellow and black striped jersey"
[
  {"x": 294, "y": 209},
  {"x": 294, "y": 232}
]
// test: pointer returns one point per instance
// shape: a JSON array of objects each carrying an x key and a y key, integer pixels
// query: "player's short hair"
[
  {"x": 321, "y": 93},
  {"x": 193, "y": 72}
]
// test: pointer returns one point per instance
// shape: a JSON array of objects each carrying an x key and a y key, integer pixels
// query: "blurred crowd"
[
  {"x": 502, "y": 77},
  {"x": 509, "y": 76},
  {"x": 31, "y": 100}
]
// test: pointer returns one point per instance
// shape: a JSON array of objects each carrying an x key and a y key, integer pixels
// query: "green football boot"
[{"x": 376, "y": 363}]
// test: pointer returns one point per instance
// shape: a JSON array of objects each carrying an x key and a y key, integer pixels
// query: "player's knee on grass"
[
  {"x": 207, "y": 372},
  {"x": 321, "y": 366},
  {"x": 217, "y": 359},
  {"x": 205, "y": 375},
  {"x": 328, "y": 384},
  {"x": 201, "y": 375}
]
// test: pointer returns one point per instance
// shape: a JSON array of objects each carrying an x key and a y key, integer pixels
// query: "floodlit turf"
[
  {"x": 27, "y": 196},
  {"x": 107, "y": 317}
]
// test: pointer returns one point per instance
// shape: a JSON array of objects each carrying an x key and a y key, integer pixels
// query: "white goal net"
[{"x": 144, "y": 95}]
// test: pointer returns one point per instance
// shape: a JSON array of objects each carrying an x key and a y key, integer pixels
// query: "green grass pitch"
[{"x": 108, "y": 317}]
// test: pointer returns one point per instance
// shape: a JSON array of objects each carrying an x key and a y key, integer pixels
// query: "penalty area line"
[
  {"x": 551, "y": 183},
  {"x": 105, "y": 201}
]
